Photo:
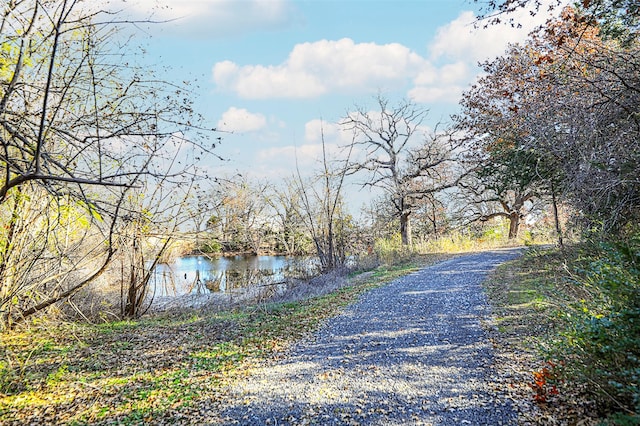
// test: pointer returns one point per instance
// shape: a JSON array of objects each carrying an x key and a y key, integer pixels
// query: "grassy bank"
[
  {"x": 566, "y": 331},
  {"x": 157, "y": 369}
]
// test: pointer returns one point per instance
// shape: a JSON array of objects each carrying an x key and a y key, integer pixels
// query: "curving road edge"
[{"x": 410, "y": 352}]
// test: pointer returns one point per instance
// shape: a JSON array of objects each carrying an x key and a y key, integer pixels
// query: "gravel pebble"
[{"x": 410, "y": 352}]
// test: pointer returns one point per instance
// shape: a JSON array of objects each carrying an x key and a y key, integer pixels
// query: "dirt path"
[{"x": 411, "y": 352}]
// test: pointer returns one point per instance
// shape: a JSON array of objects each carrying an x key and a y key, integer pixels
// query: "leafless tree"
[
  {"x": 240, "y": 220},
  {"x": 398, "y": 157},
  {"x": 155, "y": 214},
  {"x": 290, "y": 233},
  {"x": 81, "y": 126},
  {"x": 323, "y": 210},
  {"x": 482, "y": 203}
]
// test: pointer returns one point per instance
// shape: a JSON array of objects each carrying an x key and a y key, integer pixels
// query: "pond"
[{"x": 203, "y": 274}]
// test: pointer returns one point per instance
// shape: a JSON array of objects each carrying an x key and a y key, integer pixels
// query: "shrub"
[
  {"x": 602, "y": 341},
  {"x": 211, "y": 246}
]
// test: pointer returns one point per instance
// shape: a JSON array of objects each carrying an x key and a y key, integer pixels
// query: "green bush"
[
  {"x": 211, "y": 246},
  {"x": 601, "y": 344}
]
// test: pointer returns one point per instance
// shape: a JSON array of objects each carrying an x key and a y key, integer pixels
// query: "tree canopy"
[{"x": 569, "y": 97}]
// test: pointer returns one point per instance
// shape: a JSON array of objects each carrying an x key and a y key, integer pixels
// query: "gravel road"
[{"x": 411, "y": 352}]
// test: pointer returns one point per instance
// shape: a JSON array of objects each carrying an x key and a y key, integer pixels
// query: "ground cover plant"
[
  {"x": 601, "y": 338},
  {"x": 567, "y": 322},
  {"x": 556, "y": 316}
]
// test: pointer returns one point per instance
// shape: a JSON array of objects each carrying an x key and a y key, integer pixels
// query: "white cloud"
[
  {"x": 441, "y": 93},
  {"x": 462, "y": 40},
  {"x": 454, "y": 73},
  {"x": 315, "y": 130},
  {"x": 308, "y": 156},
  {"x": 305, "y": 156},
  {"x": 458, "y": 47},
  {"x": 240, "y": 120},
  {"x": 313, "y": 69},
  {"x": 316, "y": 68},
  {"x": 443, "y": 84},
  {"x": 225, "y": 72},
  {"x": 260, "y": 82},
  {"x": 428, "y": 75},
  {"x": 210, "y": 18}
]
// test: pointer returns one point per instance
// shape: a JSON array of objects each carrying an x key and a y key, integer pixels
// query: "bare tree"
[
  {"x": 399, "y": 158},
  {"x": 432, "y": 216},
  {"x": 81, "y": 126},
  {"x": 482, "y": 203},
  {"x": 323, "y": 210},
  {"x": 240, "y": 220},
  {"x": 155, "y": 213},
  {"x": 291, "y": 236}
]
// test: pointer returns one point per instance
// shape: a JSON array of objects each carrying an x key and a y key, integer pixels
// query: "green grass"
[
  {"x": 132, "y": 372},
  {"x": 543, "y": 307},
  {"x": 527, "y": 294}
]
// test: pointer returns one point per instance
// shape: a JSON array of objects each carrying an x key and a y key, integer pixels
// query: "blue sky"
[{"x": 269, "y": 70}]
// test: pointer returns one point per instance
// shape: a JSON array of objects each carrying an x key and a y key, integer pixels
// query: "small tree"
[
  {"x": 290, "y": 233},
  {"x": 240, "y": 217},
  {"x": 324, "y": 213},
  {"x": 503, "y": 182},
  {"x": 153, "y": 219}
]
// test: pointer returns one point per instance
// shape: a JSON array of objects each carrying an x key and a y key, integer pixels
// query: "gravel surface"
[{"x": 411, "y": 352}]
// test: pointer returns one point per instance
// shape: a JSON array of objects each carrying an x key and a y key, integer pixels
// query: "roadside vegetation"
[{"x": 567, "y": 323}]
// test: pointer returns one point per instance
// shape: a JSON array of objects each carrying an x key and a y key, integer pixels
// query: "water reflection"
[{"x": 201, "y": 274}]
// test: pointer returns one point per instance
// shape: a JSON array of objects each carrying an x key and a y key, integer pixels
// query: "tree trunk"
[
  {"x": 405, "y": 229},
  {"x": 514, "y": 225},
  {"x": 556, "y": 217}
]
